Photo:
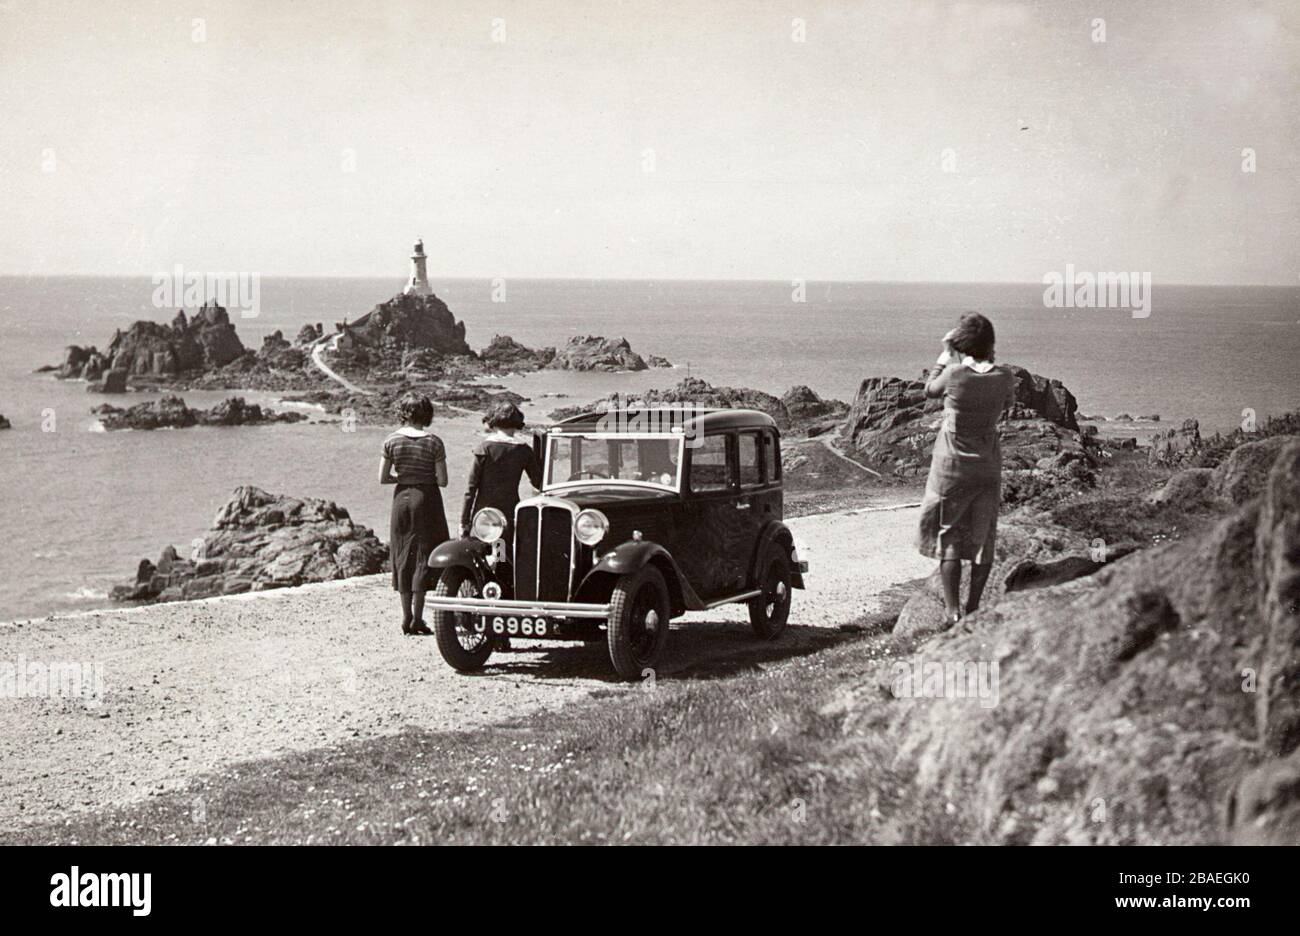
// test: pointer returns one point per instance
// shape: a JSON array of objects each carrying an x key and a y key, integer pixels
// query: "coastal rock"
[
  {"x": 891, "y": 425},
  {"x": 1187, "y": 487},
  {"x": 1277, "y": 568},
  {"x": 406, "y": 321},
  {"x": 308, "y": 334},
  {"x": 170, "y": 412},
  {"x": 258, "y": 541},
  {"x": 4, "y": 423},
  {"x": 1241, "y": 475},
  {"x": 594, "y": 353},
  {"x": 1044, "y": 398},
  {"x": 273, "y": 344},
  {"x": 1119, "y": 715},
  {"x": 1175, "y": 447},
  {"x": 205, "y": 341},
  {"x": 654, "y": 360},
  {"x": 114, "y": 381},
  {"x": 1265, "y": 807},
  {"x": 694, "y": 391},
  {"x": 506, "y": 354},
  {"x": 803, "y": 404}
]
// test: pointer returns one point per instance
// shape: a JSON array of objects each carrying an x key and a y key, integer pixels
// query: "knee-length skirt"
[
  {"x": 959, "y": 512},
  {"x": 418, "y": 526}
]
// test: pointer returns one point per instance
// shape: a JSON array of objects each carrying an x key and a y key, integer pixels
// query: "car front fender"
[
  {"x": 628, "y": 558},
  {"x": 470, "y": 554}
]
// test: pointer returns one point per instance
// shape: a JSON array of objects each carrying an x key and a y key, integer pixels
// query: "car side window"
[
  {"x": 710, "y": 470},
  {"x": 751, "y": 459},
  {"x": 771, "y": 455}
]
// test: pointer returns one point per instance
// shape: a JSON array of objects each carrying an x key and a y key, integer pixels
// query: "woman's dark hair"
[
  {"x": 974, "y": 336},
  {"x": 504, "y": 416},
  {"x": 415, "y": 409}
]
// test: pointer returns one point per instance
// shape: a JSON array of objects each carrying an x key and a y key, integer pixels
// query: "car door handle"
[{"x": 742, "y": 506}]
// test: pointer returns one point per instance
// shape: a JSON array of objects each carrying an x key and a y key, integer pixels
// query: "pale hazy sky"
[{"x": 772, "y": 158}]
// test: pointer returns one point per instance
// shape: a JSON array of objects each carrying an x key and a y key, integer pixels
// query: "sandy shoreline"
[{"x": 191, "y": 687}]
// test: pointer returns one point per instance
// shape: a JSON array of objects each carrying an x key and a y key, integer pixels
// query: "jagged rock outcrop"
[
  {"x": 808, "y": 412},
  {"x": 1154, "y": 701},
  {"x": 259, "y": 541},
  {"x": 1236, "y": 479},
  {"x": 891, "y": 425},
  {"x": 594, "y": 353},
  {"x": 113, "y": 381},
  {"x": 1241, "y": 476},
  {"x": 151, "y": 349},
  {"x": 309, "y": 334},
  {"x": 1174, "y": 447},
  {"x": 409, "y": 321},
  {"x": 506, "y": 354},
  {"x": 804, "y": 405},
  {"x": 1043, "y": 398},
  {"x": 170, "y": 412}
]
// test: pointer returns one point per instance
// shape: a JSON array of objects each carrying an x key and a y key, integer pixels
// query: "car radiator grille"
[{"x": 543, "y": 574}]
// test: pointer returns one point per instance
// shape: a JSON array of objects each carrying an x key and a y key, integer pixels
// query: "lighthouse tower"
[{"x": 419, "y": 282}]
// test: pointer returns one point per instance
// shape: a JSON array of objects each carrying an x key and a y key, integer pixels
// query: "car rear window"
[
  {"x": 769, "y": 451},
  {"x": 709, "y": 470}
]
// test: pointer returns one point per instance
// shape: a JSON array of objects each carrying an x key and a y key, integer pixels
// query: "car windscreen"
[{"x": 649, "y": 459}]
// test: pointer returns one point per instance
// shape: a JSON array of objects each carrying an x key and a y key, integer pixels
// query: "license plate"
[{"x": 512, "y": 626}]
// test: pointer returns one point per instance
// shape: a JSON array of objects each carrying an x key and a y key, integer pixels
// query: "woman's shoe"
[
  {"x": 406, "y": 627},
  {"x": 951, "y": 618},
  {"x": 421, "y": 629}
]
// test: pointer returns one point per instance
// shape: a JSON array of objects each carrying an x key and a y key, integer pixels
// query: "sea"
[{"x": 83, "y": 506}]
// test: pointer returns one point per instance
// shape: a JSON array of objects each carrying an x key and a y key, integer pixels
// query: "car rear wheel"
[
  {"x": 769, "y": 612},
  {"x": 460, "y": 645},
  {"x": 638, "y": 622}
]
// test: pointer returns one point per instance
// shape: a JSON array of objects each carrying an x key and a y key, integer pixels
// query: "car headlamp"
[
  {"x": 489, "y": 525},
  {"x": 590, "y": 527}
]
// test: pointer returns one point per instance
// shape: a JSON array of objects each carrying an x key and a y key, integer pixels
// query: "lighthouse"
[{"x": 419, "y": 283}]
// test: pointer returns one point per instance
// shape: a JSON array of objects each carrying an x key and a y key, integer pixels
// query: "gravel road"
[{"x": 195, "y": 686}]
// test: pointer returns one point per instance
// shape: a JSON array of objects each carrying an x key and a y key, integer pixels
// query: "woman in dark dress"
[
  {"x": 500, "y": 461},
  {"x": 416, "y": 461},
  {"x": 959, "y": 513}
]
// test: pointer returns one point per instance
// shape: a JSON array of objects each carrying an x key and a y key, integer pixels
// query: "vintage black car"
[{"x": 645, "y": 514}]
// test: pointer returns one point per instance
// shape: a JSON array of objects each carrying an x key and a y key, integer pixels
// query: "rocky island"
[
  {"x": 170, "y": 412},
  {"x": 411, "y": 342},
  {"x": 258, "y": 541}
]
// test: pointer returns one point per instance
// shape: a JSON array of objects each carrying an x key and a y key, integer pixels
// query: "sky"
[{"x": 881, "y": 140}]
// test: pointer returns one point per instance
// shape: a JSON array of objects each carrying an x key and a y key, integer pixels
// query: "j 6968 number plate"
[{"x": 511, "y": 626}]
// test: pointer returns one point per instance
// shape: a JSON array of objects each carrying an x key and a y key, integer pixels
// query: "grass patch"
[{"x": 743, "y": 759}]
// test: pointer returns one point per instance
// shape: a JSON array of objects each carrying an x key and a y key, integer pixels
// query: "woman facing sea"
[{"x": 959, "y": 513}]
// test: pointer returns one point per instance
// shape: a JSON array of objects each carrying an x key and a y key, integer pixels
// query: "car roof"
[{"x": 665, "y": 419}]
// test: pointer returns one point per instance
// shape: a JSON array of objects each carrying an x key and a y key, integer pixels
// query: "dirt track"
[{"x": 195, "y": 686}]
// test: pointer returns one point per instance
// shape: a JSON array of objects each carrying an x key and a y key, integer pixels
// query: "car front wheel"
[
  {"x": 459, "y": 643},
  {"x": 638, "y": 622},
  {"x": 769, "y": 611}
]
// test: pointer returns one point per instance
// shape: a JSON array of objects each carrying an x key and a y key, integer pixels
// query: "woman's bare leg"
[
  {"x": 950, "y": 575},
  {"x": 406, "y": 608},
  {"x": 979, "y": 575}
]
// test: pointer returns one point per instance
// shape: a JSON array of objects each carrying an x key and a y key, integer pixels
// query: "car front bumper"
[{"x": 516, "y": 608}]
